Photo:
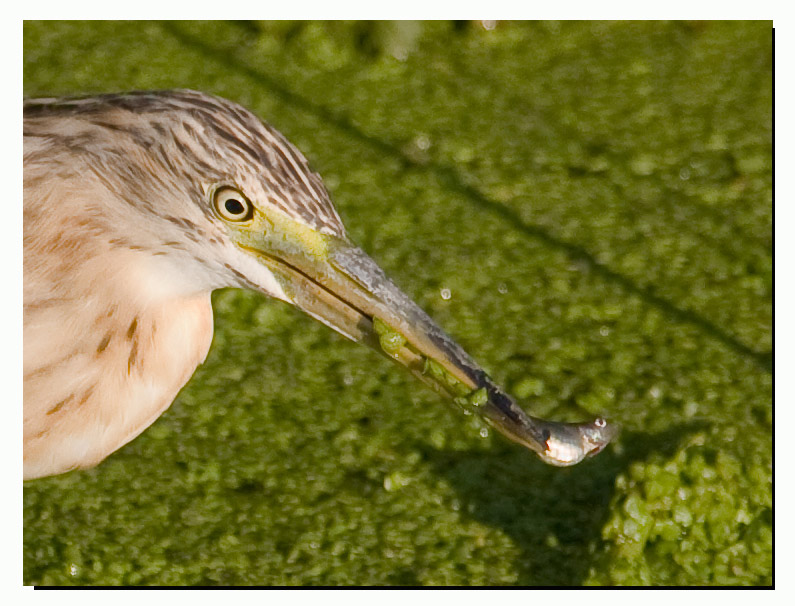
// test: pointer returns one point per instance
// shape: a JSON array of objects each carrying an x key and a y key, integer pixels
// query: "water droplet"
[
  {"x": 73, "y": 569},
  {"x": 422, "y": 142},
  {"x": 347, "y": 379},
  {"x": 604, "y": 331},
  {"x": 488, "y": 25},
  {"x": 484, "y": 432},
  {"x": 502, "y": 288},
  {"x": 446, "y": 294},
  {"x": 684, "y": 174}
]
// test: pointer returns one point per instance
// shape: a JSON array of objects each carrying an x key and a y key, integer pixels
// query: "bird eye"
[{"x": 232, "y": 205}]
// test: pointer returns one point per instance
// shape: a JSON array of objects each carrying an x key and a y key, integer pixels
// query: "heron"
[{"x": 136, "y": 207}]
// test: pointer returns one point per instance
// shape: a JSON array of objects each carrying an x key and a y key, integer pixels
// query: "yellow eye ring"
[{"x": 232, "y": 205}]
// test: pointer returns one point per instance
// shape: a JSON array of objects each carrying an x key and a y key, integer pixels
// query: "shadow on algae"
[{"x": 549, "y": 526}]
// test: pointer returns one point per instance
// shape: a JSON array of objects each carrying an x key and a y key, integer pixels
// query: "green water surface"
[{"x": 585, "y": 207}]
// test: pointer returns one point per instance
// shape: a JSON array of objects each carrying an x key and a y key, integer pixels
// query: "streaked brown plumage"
[{"x": 136, "y": 207}]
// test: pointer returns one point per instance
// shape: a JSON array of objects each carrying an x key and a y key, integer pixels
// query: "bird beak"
[{"x": 338, "y": 284}]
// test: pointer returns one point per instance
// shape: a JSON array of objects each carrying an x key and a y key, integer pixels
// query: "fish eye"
[{"x": 232, "y": 205}]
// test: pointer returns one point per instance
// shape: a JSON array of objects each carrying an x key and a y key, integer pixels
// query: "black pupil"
[{"x": 234, "y": 207}]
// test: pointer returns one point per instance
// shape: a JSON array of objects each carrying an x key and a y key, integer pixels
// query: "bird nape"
[{"x": 136, "y": 207}]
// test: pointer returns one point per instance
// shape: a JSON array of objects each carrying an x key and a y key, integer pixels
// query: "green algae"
[
  {"x": 390, "y": 340},
  {"x": 433, "y": 369},
  {"x": 596, "y": 196},
  {"x": 478, "y": 397},
  {"x": 472, "y": 400},
  {"x": 705, "y": 509}
]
